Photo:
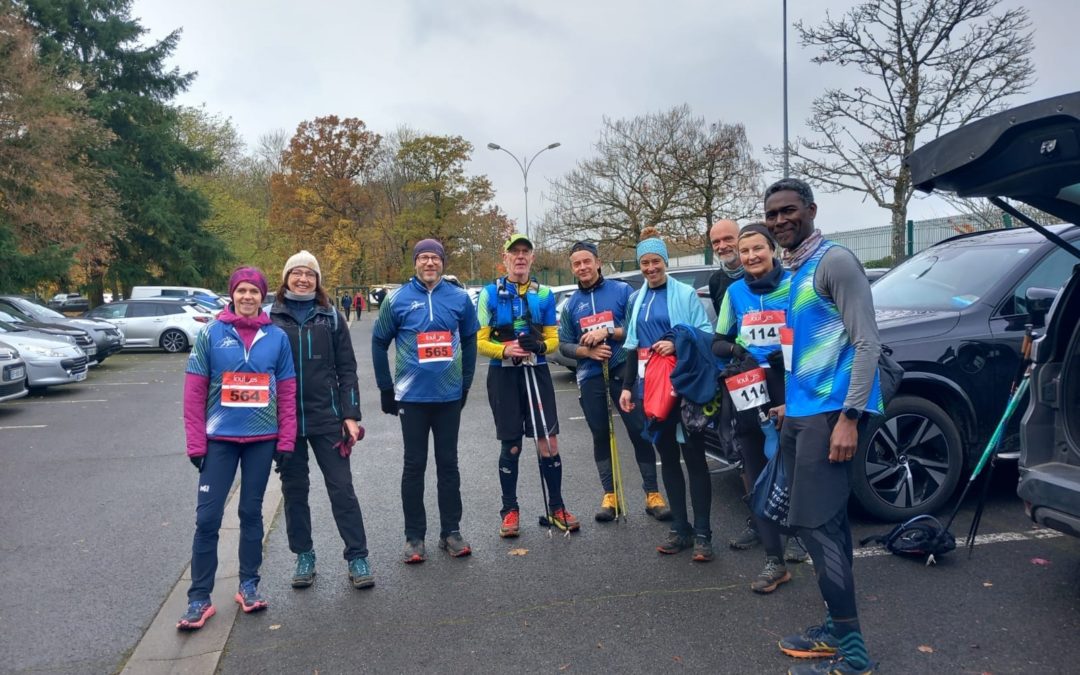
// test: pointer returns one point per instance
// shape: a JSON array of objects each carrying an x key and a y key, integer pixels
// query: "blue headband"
[{"x": 652, "y": 246}]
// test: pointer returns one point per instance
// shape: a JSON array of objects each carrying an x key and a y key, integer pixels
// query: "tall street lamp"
[{"x": 524, "y": 166}]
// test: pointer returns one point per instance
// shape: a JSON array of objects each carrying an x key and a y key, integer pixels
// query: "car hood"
[
  {"x": 30, "y": 338},
  {"x": 95, "y": 324},
  {"x": 52, "y": 328},
  {"x": 898, "y": 324}
]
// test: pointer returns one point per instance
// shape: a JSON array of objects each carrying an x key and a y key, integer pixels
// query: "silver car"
[
  {"x": 49, "y": 359},
  {"x": 108, "y": 339},
  {"x": 12, "y": 373},
  {"x": 162, "y": 323}
]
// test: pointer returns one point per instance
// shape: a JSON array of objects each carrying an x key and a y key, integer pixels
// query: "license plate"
[
  {"x": 16, "y": 373},
  {"x": 79, "y": 377}
]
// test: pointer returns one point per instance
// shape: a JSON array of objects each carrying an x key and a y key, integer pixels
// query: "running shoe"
[
  {"x": 674, "y": 543},
  {"x": 772, "y": 575},
  {"x": 198, "y": 611},
  {"x": 703, "y": 550},
  {"x": 747, "y": 539},
  {"x": 814, "y": 643},
  {"x": 565, "y": 520},
  {"x": 304, "y": 575},
  {"x": 834, "y": 666},
  {"x": 656, "y": 507},
  {"x": 360, "y": 573},
  {"x": 248, "y": 597},
  {"x": 795, "y": 552},
  {"x": 510, "y": 525},
  {"x": 608, "y": 506},
  {"x": 413, "y": 552},
  {"x": 455, "y": 545}
]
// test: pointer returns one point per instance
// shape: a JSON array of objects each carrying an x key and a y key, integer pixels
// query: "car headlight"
[{"x": 43, "y": 351}]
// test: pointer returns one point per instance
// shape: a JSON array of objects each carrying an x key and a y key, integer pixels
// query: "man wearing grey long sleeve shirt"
[{"x": 831, "y": 350}]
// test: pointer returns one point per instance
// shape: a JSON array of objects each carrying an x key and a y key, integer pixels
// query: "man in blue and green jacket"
[
  {"x": 832, "y": 388},
  {"x": 591, "y": 330},
  {"x": 433, "y": 324}
]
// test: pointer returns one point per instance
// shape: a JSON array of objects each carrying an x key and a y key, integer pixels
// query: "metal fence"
[{"x": 875, "y": 243}]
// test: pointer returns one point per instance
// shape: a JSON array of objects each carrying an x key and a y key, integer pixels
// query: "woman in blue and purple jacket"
[{"x": 239, "y": 410}]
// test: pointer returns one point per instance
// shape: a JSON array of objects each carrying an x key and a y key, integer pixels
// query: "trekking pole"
[
  {"x": 529, "y": 372},
  {"x": 546, "y": 520},
  {"x": 616, "y": 467}
]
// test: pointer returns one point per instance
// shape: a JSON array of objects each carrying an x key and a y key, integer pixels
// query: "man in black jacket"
[{"x": 724, "y": 237}]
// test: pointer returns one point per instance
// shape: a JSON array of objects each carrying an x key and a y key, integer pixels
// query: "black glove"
[
  {"x": 737, "y": 352},
  {"x": 531, "y": 343},
  {"x": 389, "y": 405},
  {"x": 197, "y": 461},
  {"x": 280, "y": 458},
  {"x": 464, "y": 395},
  {"x": 776, "y": 359}
]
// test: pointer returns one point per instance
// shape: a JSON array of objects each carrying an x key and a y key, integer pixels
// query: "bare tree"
[{"x": 929, "y": 65}]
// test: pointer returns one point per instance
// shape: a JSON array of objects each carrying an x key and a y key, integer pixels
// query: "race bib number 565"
[
  {"x": 245, "y": 390},
  {"x": 434, "y": 346}
]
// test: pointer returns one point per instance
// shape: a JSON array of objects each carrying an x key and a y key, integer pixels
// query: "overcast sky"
[{"x": 526, "y": 74}]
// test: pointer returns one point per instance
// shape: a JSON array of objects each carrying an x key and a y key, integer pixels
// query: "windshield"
[
  {"x": 7, "y": 318},
  {"x": 949, "y": 277},
  {"x": 38, "y": 312}
]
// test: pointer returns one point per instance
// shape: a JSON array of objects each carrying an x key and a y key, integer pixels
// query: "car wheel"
[
  {"x": 910, "y": 463},
  {"x": 173, "y": 341}
]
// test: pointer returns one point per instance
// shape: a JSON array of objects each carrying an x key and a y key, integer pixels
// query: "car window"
[
  {"x": 171, "y": 308},
  {"x": 111, "y": 311},
  {"x": 947, "y": 277},
  {"x": 1052, "y": 272},
  {"x": 14, "y": 311},
  {"x": 37, "y": 311},
  {"x": 142, "y": 309}
]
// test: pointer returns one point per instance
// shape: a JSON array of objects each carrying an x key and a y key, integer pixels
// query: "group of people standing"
[{"x": 264, "y": 389}]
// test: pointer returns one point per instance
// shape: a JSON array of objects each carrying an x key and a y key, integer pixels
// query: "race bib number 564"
[{"x": 245, "y": 390}]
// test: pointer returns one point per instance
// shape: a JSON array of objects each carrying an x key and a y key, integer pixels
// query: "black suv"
[{"x": 955, "y": 315}]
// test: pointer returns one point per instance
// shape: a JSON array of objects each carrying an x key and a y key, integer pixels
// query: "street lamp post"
[{"x": 524, "y": 166}]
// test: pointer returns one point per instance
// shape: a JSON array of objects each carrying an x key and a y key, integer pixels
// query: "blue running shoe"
[
  {"x": 304, "y": 575},
  {"x": 360, "y": 573},
  {"x": 814, "y": 643},
  {"x": 248, "y": 597},
  {"x": 834, "y": 666},
  {"x": 198, "y": 611}
]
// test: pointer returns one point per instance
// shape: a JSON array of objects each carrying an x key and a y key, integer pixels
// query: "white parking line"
[
  {"x": 26, "y": 426},
  {"x": 39, "y": 402},
  {"x": 114, "y": 384},
  {"x": 980, "y": 540}
]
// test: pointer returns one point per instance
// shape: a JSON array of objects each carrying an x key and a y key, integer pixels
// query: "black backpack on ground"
[{"x": 920, "y": 537}]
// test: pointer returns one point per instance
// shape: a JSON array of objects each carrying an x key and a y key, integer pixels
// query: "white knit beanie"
[{"x": 301, "y": 259}]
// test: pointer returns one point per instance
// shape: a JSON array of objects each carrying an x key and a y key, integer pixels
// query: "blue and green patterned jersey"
[
  {"x": 822, "y": 352},
  {"x": 739, "y": 301},
  {"x": 427, "y": 327}
]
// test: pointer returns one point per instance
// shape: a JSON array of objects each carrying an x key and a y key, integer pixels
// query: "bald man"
[{"x": 723, "y": 237}]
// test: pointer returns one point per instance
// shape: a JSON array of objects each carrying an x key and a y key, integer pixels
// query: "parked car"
[
  {"x": 69, "y": 302},
  {"x": 165, "y": 323},
  {"x": 50, "y": 359},
  {"x": 12, "y": 373},
  {"x": 108, "y": 339},
  {"x": 1030, "y": 154},
  {"x": 78, "y": 336},
  {"x": 875, "y": 273}
]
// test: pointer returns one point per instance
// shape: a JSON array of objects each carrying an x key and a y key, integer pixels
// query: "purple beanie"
[
  {"x": 429, "y": 246},
  {"x": 249, "y": 274}
]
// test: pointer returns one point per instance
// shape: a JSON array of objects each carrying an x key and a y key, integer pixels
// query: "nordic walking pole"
[
  {"x": 616, "y": 467},
  {"x": 548, "y": 520},
  {"x": 529, "y": 372}
]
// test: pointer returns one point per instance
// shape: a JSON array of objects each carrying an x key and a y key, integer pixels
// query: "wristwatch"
[
  {"x": 852, "y": 413},
  {"x": 610, "y": 332}
]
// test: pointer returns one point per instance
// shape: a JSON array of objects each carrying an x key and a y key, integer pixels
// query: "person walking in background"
[
  {"x": 328, "y": 404},
  {"x": 435, "y": 358},
  {"x": 517, "y": 327},
  {"x": 239, "y": 411},
  {"x": 358, "y": 305},
  {"x": 832, "y": 389},
  {"x": 591, "y": 330},
  {"x": 346, "y": 304},
  {"x": 657, "y": 307}
]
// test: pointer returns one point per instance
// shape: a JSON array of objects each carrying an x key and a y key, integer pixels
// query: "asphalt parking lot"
[{"x": 97, "y": 501}]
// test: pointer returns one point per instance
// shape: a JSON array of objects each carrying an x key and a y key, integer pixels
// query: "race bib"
[
  {"x": 600, "y": 321},
  {"x": 762, "y": 329},
  {"x": 642, "y": 359},
  {"x": 515, "y": 362},
  {"x": 748, "y": 389},
  {"x": 434, "y": 346},
  {"x": 787, "y": 338},
  {"x": 245, "y": 390}
]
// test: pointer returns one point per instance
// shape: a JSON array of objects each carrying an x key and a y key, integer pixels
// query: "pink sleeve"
[
  {"x": 286, "y": 414},
  {"x": 195, "y": 391}
]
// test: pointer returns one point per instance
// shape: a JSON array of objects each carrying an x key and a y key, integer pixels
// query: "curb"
[{"x": 162, "y": 648}]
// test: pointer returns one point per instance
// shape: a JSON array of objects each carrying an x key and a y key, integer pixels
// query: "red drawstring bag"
[{"x": 659, "y": 398}]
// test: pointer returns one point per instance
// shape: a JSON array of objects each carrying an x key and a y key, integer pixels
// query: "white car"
[
  {"x": 49, "y": 359},
  {"x": 169, "y": 324},
  {"x": 12, "y": 373}
]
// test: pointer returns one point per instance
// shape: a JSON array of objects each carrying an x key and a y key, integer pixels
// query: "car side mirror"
[{"x": 1039, "y": 301}]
